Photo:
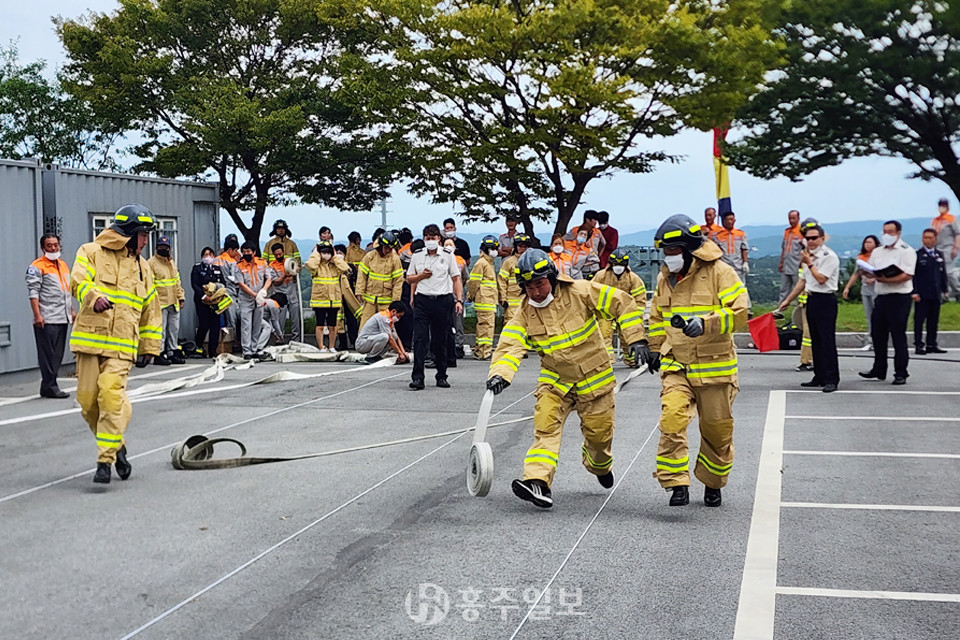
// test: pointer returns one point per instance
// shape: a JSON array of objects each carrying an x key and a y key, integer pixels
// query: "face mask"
[
  {"x": 604, "y": 226},
  {"x": 541, "y": 305},
  {"x": 248, "y": 258},
  {"x": 581, "y": 239},
  {"x": 208, "y": 260},
  {"x": 450, "y": 234},
  {"x": 619, "y": 269},
  {"x": 431, "y": 245},
  {"x": 888, "y": 240},
  {"x": 342, "y": 255},
  {"x": 492, "y": 253},
  {"x": 53, "y": 257},
  {"x": 674, "y": 263},
  {"x": 163, "y": 251},
  {"x": 326, "y": 256},
  {"x": 558, "y": 248}
]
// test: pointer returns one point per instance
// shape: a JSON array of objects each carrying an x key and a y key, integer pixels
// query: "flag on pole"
[{"x": 720, "y": 169}]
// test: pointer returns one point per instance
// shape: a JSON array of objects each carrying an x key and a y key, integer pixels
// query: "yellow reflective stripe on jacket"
[
  {"x": 673, "y": 464},
  {"x": 321, "y": 280},
  {"x": 476, "y": 276},
  {"x": 511, "y": 361},
  {"x": 604, "y": 300},
  {"x": 377, "y": 299},
  {"x": 325, "y": 304},
  {"x": 383, "y": 277},
  {"x": 639, "y": 290},
  {"x": 91, "y": 272},
  {"x": 103, "y": 342},
  {"x": 542, "y": 455},
  {"x": 596, "y": 381},
  {"x": 151, "y": 331},
  {"x": 484, "y": 306},
  {"x": 658, "y": 329},
  {"x": 713, "y": 467},
  {"x": 503, "y": 274},
  {"x": 488, "y": 283},
  {"x": 593, "y": 463},
  {"x": 630, "y": 319},
  {"x": 166, "y": 282},
  {"x": 726, "y": 320},
  {"x": 84, "y": 288},
  {"x": 150, "y": 295},
  {"x": 712, "y": 369},
  {"x": 668, "y": 364},
  {"x": 566, "y": 340},
  {"x": 122, "y": 297},
  {"x": 730, "y": 294},
  {"x": 553, "y": 379},
  {"x": 516, "y": 332}
]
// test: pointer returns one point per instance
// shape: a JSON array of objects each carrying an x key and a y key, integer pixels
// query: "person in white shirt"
[
  {"x": 821, "y": 276},
  {"x": 435, "y": 292},
  {"x": 894, "y": 263}
]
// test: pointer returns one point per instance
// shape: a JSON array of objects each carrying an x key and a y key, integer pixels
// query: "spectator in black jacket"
[
  {"x": 208, "y": 322},
  {"x": 461, "y": 249},
  {"x": 929, "y": 288}
]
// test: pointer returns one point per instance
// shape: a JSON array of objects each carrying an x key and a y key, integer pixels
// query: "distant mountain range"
[{"x": 843, "y": 237}]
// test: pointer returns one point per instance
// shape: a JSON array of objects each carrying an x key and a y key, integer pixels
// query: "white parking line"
[
  {"x": 877, "y": 507},
  {"x": 874, "y": 454},
  {"x": 874, "y": 418},
  {"x": 878, "y": 595},
  {"x": 886, "y": 393},
  {"x": 758, "y": 597}
]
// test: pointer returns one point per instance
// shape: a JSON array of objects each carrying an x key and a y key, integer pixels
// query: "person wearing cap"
[
  {"x": 482, "y": 291},
  {"x": 254, "y": 279},
  {"x": 48, "y": 290},
  {"x": 799, "y": 317},
  {"x": 118, "y": 325},
  {"x": 947, "y": 227},
  {"x": 281, "y": 234},
  {"x": 698, "y": 304},
  {"x": 929, "y": 289},
  {"x": 326, "y": 296},
  {"x": 380, "y": 278},
  {"x": 227, "y": 261},
  {"x": 208, "y": 321},
  {"x": 508, "y": 289},
  {"x": 506, "y": 239},
  {"x": 558, "y": 318},
  {"x": 166, "y": 277},
  {"x": 619, "y": 276}
]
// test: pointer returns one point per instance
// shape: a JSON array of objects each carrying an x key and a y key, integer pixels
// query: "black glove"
[
  {"x": 654, "y": 365},
  {"x": 143, "y": 361},
  {"x": 639, "y": 352},
  {"x": 497, "y": 384},
  {"x": 694, "y": 328}
]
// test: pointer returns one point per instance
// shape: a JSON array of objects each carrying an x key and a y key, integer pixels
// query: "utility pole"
[{"x": 383, "y": 213}]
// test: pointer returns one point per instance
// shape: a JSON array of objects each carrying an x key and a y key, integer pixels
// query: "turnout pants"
[
  {"x": 432, "y": 317},
  {"x": 680, "y": 404},
  {"x": 890, "y": 314},
  {"x": 51, "y": 339},
  {"x": 806, "y": 347},
  {"x": 171, "y": 328},
  {"x": 926, "y": 311},
  {"x": 486, "y": 323},
  {"x": 102, "y": 395},
  {"x": 822, "y": 320},
  {"x": 596, "y": 425},
  {"x": 251, "y": 318}
]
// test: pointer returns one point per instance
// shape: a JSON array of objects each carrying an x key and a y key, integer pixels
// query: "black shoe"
[
  {"x": 606, "y": 480},
  {"x": 921, "y": 351},
  {"x": 898, "y": 380},
  {"x": 102, "y": 476},
  {"x": 123, "y": 467},
  {"x": 452, "y": 365},
  {"x": 936, "y": 350},
  {"x": 54, "y": 393},
  {"x": 805, "y": 367},
  {"x": 829, "y": 388},
  {"x": 535, "y": 491},
  {"x": 680, "y": 497},
  {"x": 372, "y": 359},
  {"x": 870, "y": 375},
  {"x": 263, "y": 356},
  {"x": 442, "y": 383},
  {"x": 711, "y": 497},
  {"x": 459, "y": 353},
  {"x": 177, "y": 358},
  {"x": 161, "y": 360},
  {"x": 417, "y": 385},
  {"x": 812, "y": 383}
]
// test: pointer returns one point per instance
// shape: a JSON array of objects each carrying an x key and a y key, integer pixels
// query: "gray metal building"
[{"x": 77, "y": 205}]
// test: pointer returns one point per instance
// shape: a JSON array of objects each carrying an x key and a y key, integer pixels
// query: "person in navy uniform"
[{"x": 929, "y": 288}]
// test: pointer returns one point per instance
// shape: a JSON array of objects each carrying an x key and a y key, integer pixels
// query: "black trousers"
[
  {"x": 431, "y": 324},
  {"x": 890, "y": 313},
  {"x": 51, "y": 340},
  {"x": 208, "y": 324},
  {"x": 926, "y": 311},
  {"x": 822, "y": 318}
]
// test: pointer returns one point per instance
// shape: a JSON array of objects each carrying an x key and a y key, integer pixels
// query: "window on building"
[{"x": 167, "y": 227}]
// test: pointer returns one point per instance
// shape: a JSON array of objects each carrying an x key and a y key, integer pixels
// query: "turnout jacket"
[
  {"x": 166, "y": 278},
  {"x": 290, "y": 249},
  {"x": 380, "y": 278},
  {"x": 573, "y": 356},
  {"x": 327, "y": 291},
  {"x": 628, "y": 282},
  {"x": 103, "y": 268},
  {"x": 507, "y": 287},
  {"x": 713, "y": 291},
  {"x": 482, "y": 288}
]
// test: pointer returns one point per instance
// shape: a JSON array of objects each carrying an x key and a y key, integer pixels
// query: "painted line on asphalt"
[
  {"x": 869, "y": 507},
  {"x": 886, "y": 393},
  {"x": 758, "y": 597},
  {"x": 167, "y": 447},
  {"x": 873, "y": 418},
  {"x": 877, "y": 595},
  {"x": 302, "y": 530},
  {"x": 576, "y": 544},
  {"x": 874, "y": 454}
]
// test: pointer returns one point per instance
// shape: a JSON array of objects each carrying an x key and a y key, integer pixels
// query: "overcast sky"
[{"x": 859, "y": 189}]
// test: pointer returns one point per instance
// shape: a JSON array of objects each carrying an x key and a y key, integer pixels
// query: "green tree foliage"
[
  {"x": 518, "y": 105},
  {"x": 864, "y": 77},
  {"x": 38, "y": 120},
  {"x": 270, "y": 96}
]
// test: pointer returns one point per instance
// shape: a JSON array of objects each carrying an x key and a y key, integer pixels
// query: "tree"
[
  {"x": 38, "y": 120},
  {"x": 863, "y": 77},
  {"x": 264, "y": 94},
  {"x": 518, "y": 105}
]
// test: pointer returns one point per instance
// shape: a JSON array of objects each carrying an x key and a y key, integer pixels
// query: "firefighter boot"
[
  {"x": 102, "y": 476},
  {"x": 680, "y": 497},
  {"x": 123, "y": 467},
  {"x": 606, "y": 480},
  {"x": 711, "y": 497}
]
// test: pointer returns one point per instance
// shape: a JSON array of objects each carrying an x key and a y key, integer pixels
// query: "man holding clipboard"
[{"x": 893, "y": 263}]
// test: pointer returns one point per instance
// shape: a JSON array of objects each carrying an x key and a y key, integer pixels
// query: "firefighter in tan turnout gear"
[
  {"x": 699, "y": 303},
  {"x": 482, "y": 291},
  {"x": 380, "y": 277},
  {"x": 558, "y": 318},
  {"x": 509, "y": 291},
  {"x": 618, "y": 275},
  {"x": 118, "y": 324}
]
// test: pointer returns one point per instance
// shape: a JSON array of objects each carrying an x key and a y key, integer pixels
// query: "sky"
[{"x": 859, "y": 189}]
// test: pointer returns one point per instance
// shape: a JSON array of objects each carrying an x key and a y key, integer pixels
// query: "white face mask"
[
  {"x": 431, "y": 245},
  {"x": 208, "y": 260},
  {"x": 53, "y": 257},
  {"x": 619, "y": 269},
  {"x": 450, "y": 234},
  {"x": 326, "y": 256},
  {"x": 541, "y": 305},
  {"x": 888, "y": 240},
  {"x": 674, "y": 263},
  {"x": 492, "y": 253},
  {"x": 558, "y": 248},
  {"x": 581, "y": 239}
]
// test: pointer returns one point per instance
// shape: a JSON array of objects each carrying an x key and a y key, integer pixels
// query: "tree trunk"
[
  {"x": 235, "y": 216},
  {"x": 567, "y": 206}
]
